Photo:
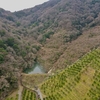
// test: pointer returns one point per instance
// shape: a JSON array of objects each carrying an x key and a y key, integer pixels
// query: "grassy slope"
[
  {"x": 33, "y": 80},
  {"x": 61, "y": 17},
  {"x": 79, "y": 81}
]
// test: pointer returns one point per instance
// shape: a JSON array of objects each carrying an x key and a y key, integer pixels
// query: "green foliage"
[
  {"x": 43, "y": 39},
  {"x": 10, "y": 18},
  {"x": 2, "y": 55},
  {"x": 95, "y": 1},
  {"x": 37, "y": 47},
  {"x": 47, "y": 35},
  {"x": 10, "y": 42},
  {"x": 2, "y": 45},
  {"x": 13, "y": 98},
  {"x": 28, "y": 95},
  {"x": 15, "y": 46},
  {"x": 35, "y": 24},
  {"x": 1, "y": 58},
  {"x": 23, "y": 53},
  {"x": 74, "y": 36},
  {"x": 2, "y": 33},
  {"x": 47, "y": 24},
  {"x": 20, "y": 14},
  {"x": 83, "y": 76},
  {"x": 18, "y": 23},
  {"x": 27, "y": 48}
]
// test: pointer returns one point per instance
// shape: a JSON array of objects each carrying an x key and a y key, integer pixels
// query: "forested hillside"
[
  {"x": 56, "y": 23},
  {"x": 56, "y": 34},
  {"x": 80, "y": 81}
]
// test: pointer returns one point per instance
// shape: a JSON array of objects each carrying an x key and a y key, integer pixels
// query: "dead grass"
[
  {"x": 33, "y": 80},
  {"x": 13, "y": 95},
  {"x": 70, "y": 51}
]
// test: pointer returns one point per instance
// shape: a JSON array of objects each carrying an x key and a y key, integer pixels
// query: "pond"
[{"x": 37, "y": 68}]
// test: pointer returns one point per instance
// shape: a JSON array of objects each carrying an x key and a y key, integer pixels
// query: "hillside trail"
[
  {"x": 39, "y": 93},
  {"x": 20, "y": 92},
  {"x": 20, "y": 87}
]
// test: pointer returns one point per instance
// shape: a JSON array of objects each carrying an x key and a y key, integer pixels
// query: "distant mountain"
[{"x": 56, "y": 34}]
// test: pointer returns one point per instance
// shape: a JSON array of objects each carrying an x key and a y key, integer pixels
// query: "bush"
[
  {"x": 95, "y": 1},
  {"x": 3, "y": 51},
  {"x": 16, "y": 48},
  {"x": 10, "y": 42},
  {"x": 18, "y": 23},
  {"x": 1, "y": 58},
  {"x": 23, "y": 53},
  {"x": 20, "y": 14},
  {"x": 37, "y": 47},
  {"x": 2, "y": 54},
  {"x": 43, "y": 39},
  {"x": 74, "y": 36},
  {"x": 2, "y": 33},
  {"x": 2, "y": 45},
  {"x": 47, "y": 35},
  {"x": 10, "y": 18}
]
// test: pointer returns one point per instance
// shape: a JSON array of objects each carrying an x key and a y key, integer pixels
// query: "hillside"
[
  {"x": 16, "y": 52},
  {"x": 80, "y": 81},
  {"x": 56, "y": 24},
  {"x": 56, "y": 34}
]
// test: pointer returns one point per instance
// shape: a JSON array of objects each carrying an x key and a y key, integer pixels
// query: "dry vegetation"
[
  {"x": 56, "y": 33},
  {"x": 33, "y": 80}
]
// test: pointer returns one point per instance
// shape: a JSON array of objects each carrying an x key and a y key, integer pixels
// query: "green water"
[{"x": 37, "y": 68}]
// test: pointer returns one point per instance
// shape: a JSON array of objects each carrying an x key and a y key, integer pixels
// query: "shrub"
[
  {"x": 10, "y": 42},
  {"x": 10, "y": 18},
  {"x": 23, "y": 53},
  {"x": 1, "y": 58},
  {"x": 18, "y": 23},
  {"x": 47, "y": 35},
  {"x": 2, "y": 33},
  {"x": 2, "y": 45},
  {"x": 37, "y": 47},
  {"x": 2, "y": 54}
]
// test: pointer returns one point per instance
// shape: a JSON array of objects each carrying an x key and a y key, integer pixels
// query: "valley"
[
  {"x": 52, "y": 48},
  {"x": 78, "y": 81}
]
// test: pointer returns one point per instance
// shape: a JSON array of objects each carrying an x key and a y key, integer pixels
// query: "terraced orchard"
[
  {"x": 80, "y": 81},
  {"x": 13, "y": 98},
  {"x": 28, "y": 95}
]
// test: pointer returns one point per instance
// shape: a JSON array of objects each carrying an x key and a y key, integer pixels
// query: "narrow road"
[
  {"x": 39, "y": 93},
  {"x": 20, "y": 87},
  {"x": 20, "y": 92}
]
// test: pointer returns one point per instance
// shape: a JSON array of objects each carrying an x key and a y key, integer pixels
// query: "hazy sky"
[{"x": 15, "y": 5}]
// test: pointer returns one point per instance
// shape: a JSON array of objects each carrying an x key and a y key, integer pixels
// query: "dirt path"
[
  {"x": 20, "y": 87},
  {"x": 20, "y": 92},
  {"x": 39, "y": 93}
]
